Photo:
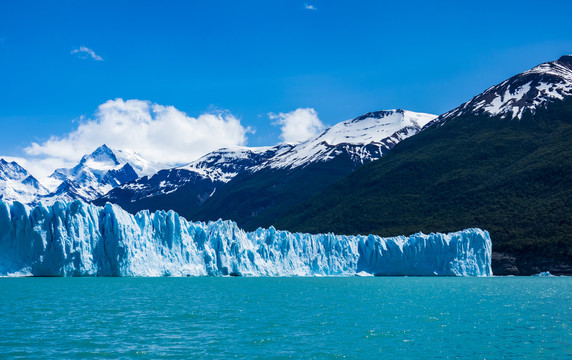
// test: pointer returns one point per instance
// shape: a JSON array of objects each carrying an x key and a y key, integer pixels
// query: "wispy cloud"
[
  {"x": 84, "y": 52},
  {"x": 298, "y": 125},
  {"x": 310, "y": 7}
]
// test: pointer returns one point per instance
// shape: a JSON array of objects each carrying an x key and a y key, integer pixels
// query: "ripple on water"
[{"x": 268, "y": 318}]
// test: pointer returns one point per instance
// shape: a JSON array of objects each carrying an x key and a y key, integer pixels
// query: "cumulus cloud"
[
  {"x": 310, "y": 7},
  {"x": 298, "y": 125},
  {"x": 161, "y": 134},
  {"x": 84, "y": 52}
]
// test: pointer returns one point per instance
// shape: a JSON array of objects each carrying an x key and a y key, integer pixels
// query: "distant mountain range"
[
  {"x": 92, "y": 177},
  {"x": 125, "y": 178},
  {"x": 187, "y": 187},
  {"x": 501, "y": 161},
  {"x": 253, "y": 186}
]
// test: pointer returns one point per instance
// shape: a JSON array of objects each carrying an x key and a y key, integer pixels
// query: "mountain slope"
[
  {"x": 527, "y": 91},
  {"x": 505, "y": 171},
  {"x": 16, "y": 183},
  {"x": 363, "y": 139},
  {"x": 187, "y": 187},
  {"x": 258, "y": 197}
]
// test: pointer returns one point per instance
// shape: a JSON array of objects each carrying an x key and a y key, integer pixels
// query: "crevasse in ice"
[{"x": 79, "y": 239}]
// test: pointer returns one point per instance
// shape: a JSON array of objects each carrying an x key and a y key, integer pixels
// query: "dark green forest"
[
  {"x": 258, "y": 199},
  {"x": 510, "y": 177}
]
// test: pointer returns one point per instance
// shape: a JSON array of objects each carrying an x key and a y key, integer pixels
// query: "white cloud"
[
  {"x": 161, "y": 134},
  {"x": 298, "y": 125},
  {"x": 310, "y": 7},
  {"x": 84, "y": 52}
]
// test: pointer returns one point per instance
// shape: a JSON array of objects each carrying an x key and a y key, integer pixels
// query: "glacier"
[{"x": 80, "y": 239}]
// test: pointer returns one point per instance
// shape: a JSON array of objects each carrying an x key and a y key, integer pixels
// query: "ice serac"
[{"x": 79, "y": 239}]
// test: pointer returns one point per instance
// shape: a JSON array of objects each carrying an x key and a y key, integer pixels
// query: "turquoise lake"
[{"x": 285, "y": 318}]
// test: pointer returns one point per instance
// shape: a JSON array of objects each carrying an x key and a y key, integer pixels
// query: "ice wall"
[{"x": 78, "y": 239}]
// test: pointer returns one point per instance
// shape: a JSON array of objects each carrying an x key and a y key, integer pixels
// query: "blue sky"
[{"x": 252, "y": 58}]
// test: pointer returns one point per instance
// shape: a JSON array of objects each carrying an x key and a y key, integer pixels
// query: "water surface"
[{"x": 284, "y": 318}]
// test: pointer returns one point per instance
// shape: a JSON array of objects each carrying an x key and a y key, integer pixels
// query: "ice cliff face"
[{"x": 78, "y": 239}]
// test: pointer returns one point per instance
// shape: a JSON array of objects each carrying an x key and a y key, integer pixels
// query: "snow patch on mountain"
[
  {"x": 17, "y": 184},
  {"x": 224, "y": 164},
  {"x": 364, "y": 138},
  {"x": 205, "y": 175},
  {"x": 97, "y": 173},
  {"x": 141, "y": 166},
  {"x": 524, "y": 92}
]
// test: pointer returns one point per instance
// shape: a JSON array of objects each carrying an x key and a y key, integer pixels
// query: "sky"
[{"x": 173, "y": 80}]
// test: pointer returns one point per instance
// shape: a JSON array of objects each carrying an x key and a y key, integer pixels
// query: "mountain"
[
  {"x": 255, "y": 185},
  {"x": 501, "y": 161},
  {"x": 243, "y": 175},
  {"x": 362, "y": 139},
  {"x": 16, "y": 183},
  {"x": 527, "y": 91},
  {"x": 187, "y": 187},
  {"x": 260, "y": 195},
  {"x": 97, "y": 173}
]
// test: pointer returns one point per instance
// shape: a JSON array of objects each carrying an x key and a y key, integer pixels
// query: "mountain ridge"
[
  {"x": 335, "y": 152},
  {"x": 522, "y": 92}
]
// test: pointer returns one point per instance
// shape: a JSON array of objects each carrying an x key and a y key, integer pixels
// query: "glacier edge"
[{"x": 79, "y": 239}]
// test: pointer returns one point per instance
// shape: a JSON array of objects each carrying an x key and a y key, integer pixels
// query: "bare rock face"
[{"x": 507, "y": 264}]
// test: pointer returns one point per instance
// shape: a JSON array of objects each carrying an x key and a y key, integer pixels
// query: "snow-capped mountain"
[
  {"x": 364, "y": 139},
  {"x": 343, "y": 147},
  {"x": 16, "y": 183},
  {"x": 524, "y": 92},
  {"x": 126, "y": 178},
  {"x": 97, "y": 173},
  {"x": 224, "y": 164},
  {"x": 200, "y": 179}
]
